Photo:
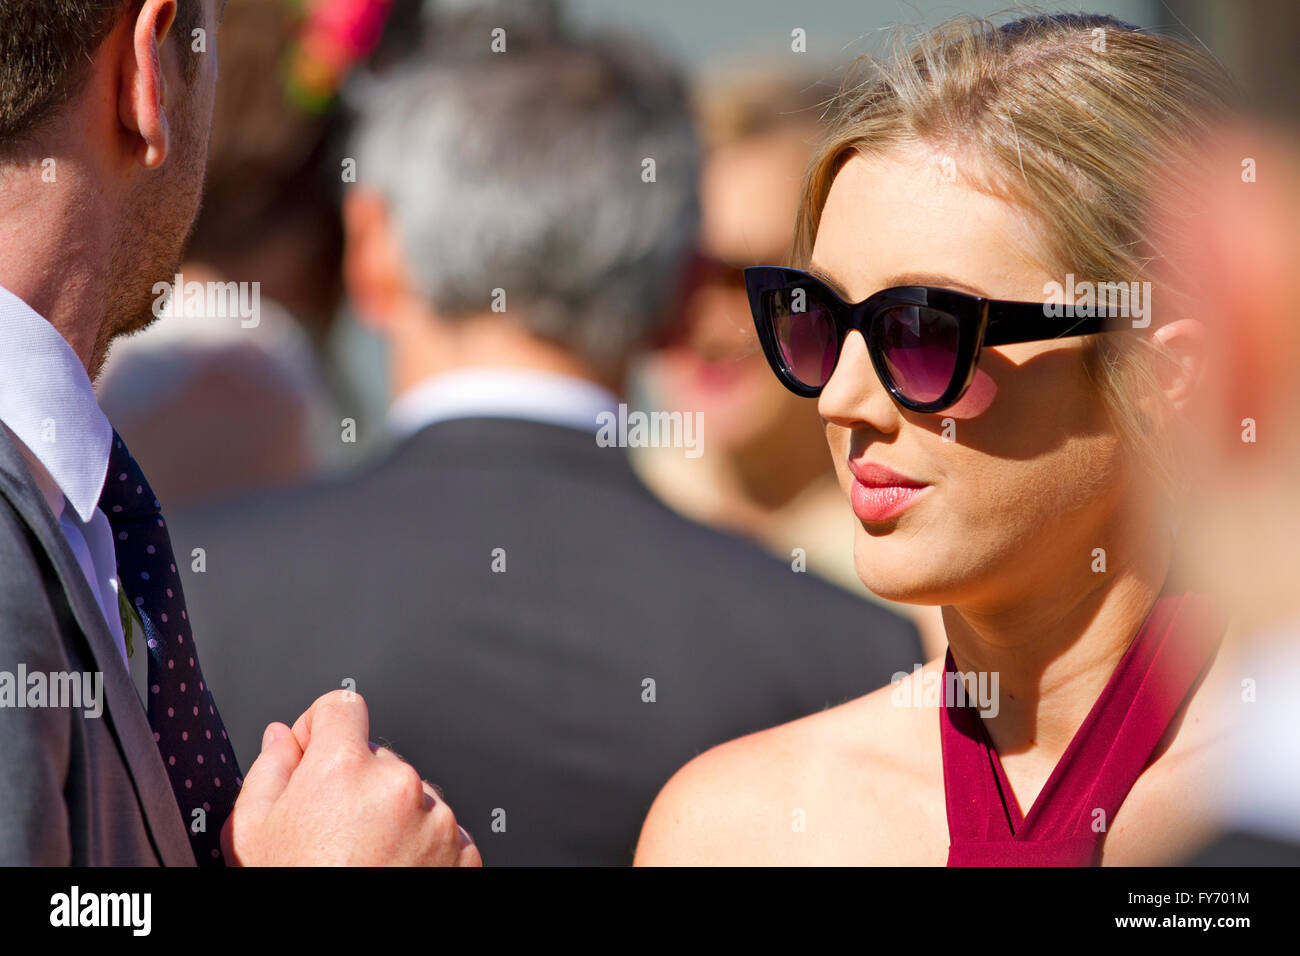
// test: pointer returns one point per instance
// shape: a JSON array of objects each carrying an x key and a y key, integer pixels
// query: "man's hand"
[{"x": 322, "y": 795}]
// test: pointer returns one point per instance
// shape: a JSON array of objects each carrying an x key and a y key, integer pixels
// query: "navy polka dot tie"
[{"x": 186, "y": 726}]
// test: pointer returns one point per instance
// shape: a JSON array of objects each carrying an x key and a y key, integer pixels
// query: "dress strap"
[{"x": 1067, "y": 824}]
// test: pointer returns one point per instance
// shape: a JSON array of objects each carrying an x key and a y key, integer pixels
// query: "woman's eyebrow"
[
  {"x": 820, "y": 273},
  {"x": 934, "y": 279},
  {"x": 903, "y": 279}
]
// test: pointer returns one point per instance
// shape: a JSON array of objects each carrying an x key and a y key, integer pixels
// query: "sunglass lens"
[
  {"x": 919, "y": 346},
  {"x": 805, "y": 332}
]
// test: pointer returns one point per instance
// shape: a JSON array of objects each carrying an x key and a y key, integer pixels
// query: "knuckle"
[
  {"x": 403, "y": 783},
  {"x": 443, "y": 823},
  {"x": 340, "y": 761},
  {"x": 469, "y": 856}
]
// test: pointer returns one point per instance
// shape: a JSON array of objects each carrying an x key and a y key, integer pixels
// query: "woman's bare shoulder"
[{"x": 799, "y": 793}]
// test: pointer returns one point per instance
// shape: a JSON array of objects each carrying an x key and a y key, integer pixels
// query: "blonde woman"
[{"x": 1015, "y": 463}]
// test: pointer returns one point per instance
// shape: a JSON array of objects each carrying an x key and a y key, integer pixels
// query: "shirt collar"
[
  {"x": 502, "y": 393},
  {"x": 49, "y": 405}
]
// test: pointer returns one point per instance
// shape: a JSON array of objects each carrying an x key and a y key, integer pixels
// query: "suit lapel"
[{"x": 127, "y": 718}]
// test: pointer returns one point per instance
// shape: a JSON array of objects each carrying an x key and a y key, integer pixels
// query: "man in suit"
[
  {"x": 104, "y": 111},
  {"x": 514, "y": 604}
]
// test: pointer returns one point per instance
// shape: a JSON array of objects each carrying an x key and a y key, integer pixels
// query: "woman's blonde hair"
[{"x": 1066, "y": 116}]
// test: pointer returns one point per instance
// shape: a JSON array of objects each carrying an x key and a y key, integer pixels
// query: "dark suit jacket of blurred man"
[{"x": 551, "y": 698}]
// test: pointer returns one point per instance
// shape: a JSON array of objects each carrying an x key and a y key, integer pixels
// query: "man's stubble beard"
[{"x": 151, "y": 239}]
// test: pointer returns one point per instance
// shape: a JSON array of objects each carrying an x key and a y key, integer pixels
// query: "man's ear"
[
  {"x": 1186, "y": 343},
  {"x": 142, "y": 100},
  {"x": 374, "y": 268}
]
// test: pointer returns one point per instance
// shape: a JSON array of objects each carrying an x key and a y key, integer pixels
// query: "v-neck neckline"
[
  {"x": 1016, "y": 819},
  {"x": 1066, "y": 825}
]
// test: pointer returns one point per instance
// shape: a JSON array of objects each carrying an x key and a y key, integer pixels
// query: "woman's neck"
[{"x": 1053, "y": 652}]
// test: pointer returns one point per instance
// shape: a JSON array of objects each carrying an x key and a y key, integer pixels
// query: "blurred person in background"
[
  {"x": 506, "y": 594},
  {"x": 1239, "y": 242},
  {"x": 1247, "y": 242},
  {"x": 768, "y": 475}
]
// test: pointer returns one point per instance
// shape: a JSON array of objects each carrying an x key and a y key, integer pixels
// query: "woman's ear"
[{"x": 1185, "y": 344}]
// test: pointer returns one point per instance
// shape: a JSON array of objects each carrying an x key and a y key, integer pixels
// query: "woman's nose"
[{"x": 854, "y": 396}]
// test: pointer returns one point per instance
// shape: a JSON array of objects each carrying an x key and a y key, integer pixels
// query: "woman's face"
[{"x": 1025, "y": 475}]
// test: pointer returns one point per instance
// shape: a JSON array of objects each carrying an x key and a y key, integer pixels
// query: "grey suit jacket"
[{"x": 74, "y": 789}]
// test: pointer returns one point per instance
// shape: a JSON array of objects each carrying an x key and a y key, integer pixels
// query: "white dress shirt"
[
  {"x": 48, "y": 405},
  {"x": 547, "y": 397}
]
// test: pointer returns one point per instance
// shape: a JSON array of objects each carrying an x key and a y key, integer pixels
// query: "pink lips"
[{"x": 880, "y": 493}]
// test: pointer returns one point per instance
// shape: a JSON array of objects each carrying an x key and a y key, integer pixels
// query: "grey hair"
[{"x": 523, "y": 171}]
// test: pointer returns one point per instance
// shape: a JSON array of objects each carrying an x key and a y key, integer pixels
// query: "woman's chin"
[
  {"x": 902, "y": 581},
  {"x": 890, "y": 588}
]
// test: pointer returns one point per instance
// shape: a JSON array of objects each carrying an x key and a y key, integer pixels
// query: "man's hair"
[
  {"x": 46, "y": 47},
  {"x": 527, "y": 171}
]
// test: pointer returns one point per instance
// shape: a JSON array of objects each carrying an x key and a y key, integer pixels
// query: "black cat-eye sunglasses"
[{"x": 924, "y": 341}]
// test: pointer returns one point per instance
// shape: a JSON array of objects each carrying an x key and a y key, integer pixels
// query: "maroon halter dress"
[{"x": 1156, "y": 677}]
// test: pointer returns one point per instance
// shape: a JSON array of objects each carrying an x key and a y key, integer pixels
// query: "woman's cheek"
[{"x": 977, "y": 399}]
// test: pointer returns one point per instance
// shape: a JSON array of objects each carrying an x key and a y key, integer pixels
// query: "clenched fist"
[{"x": 322, "y": 795}]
